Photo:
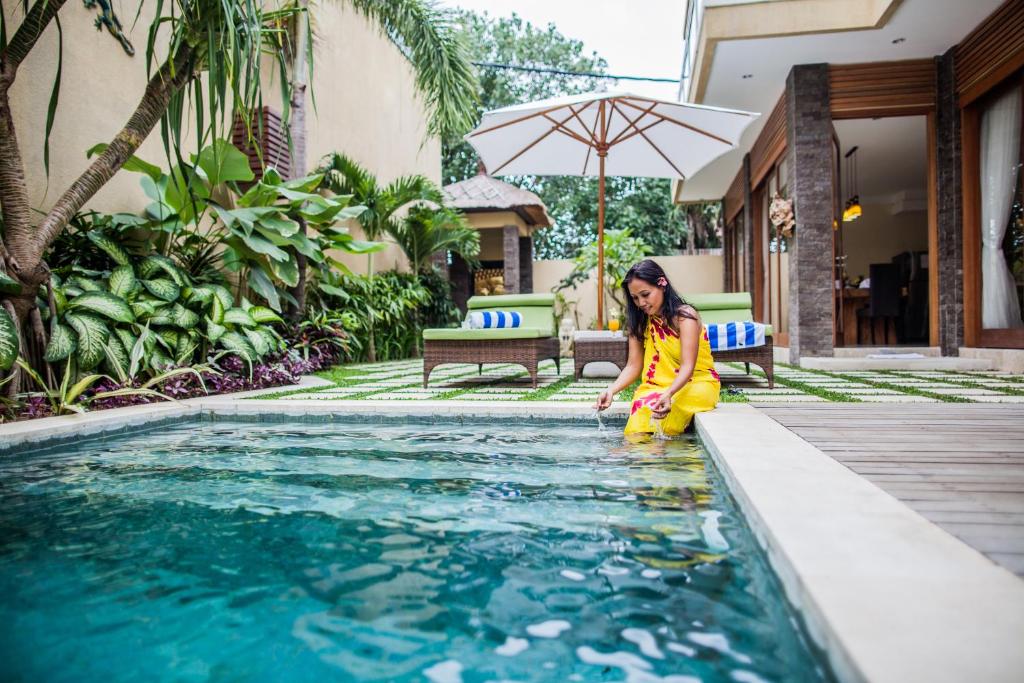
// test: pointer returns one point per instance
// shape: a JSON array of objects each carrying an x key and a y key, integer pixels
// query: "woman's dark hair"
[{"x": 672, "y": 305}]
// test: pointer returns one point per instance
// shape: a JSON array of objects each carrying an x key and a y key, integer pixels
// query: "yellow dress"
[{"x": 661, "y": 365}]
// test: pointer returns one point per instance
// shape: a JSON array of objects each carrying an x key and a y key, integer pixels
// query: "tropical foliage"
[
  {"x": 386, "y": 306},
  {"x": 621, "y": 250},
  {"x": 204, "y": 59},
  {"x": 147, "y": 315},
  {"x": 427, "y": 231}
]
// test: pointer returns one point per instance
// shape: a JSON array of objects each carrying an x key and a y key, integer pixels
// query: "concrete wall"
[
  {"x": 689, "y": 274},
  {"x": 100, "y": 88},
  {"x": 366, "y": 105}
]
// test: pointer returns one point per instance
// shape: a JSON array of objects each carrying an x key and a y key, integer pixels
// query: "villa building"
[
  {"x": 506, "y": 217},
  {"x": 894, "y": 127}
]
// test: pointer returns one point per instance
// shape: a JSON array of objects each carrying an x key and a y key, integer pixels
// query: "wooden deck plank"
[{"x": 959, "y": 465}]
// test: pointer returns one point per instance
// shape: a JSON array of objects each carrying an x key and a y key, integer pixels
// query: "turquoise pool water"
[{"x": 249, "y": 551}]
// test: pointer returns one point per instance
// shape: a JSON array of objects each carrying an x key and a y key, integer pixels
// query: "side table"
[{"x": 593, "y": 347}]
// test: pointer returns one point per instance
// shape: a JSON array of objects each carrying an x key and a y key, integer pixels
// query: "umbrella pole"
[{"x": 600, "y": 241}]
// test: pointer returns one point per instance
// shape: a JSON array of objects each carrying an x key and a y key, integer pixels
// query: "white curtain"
[{"x": 1000, "y": 159}]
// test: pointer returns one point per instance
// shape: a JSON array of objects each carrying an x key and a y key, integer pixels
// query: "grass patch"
[
  {"x": 1008, "y": 391},
  {"x": 734, "y": 396},
  {"x": 820, "y": 392},
  {"x": 543, "y": 393},
  {"x": 898, "y": 388}
]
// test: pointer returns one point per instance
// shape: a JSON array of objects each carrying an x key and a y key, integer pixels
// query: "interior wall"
[{"x": 878, "y": 235}]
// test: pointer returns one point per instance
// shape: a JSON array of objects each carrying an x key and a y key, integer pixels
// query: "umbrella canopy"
[{"x": 607, "y": 133}]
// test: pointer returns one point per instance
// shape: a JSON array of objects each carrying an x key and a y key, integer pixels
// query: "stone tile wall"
[
  {"x": 950, "y": 224},
  {"x": 809, "y": 131}
]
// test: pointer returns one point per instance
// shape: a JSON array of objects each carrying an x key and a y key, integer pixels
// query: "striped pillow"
[
  {"x": 481, "y": 320},
  {"x": 738, "y": 335}
]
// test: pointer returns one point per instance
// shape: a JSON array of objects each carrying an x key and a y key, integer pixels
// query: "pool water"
[{"x": 254, "y": 551}]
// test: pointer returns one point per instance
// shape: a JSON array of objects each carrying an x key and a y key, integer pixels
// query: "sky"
[{"x": 635, "y": 37}]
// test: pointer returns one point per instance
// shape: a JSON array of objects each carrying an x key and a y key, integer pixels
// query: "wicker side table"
[{"x": 604, "y": 347}]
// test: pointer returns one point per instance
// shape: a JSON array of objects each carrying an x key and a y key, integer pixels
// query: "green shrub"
[{"x": 388, "y": 309}]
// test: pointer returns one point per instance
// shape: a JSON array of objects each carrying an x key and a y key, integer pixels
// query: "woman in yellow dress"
[{"x": 668, "y": 345}]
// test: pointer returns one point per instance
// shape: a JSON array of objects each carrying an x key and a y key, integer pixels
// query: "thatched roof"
[{"x": 484, "y": 193}]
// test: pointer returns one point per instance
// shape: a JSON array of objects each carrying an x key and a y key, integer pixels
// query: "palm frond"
[
  {"x": 433, "y": 43},
  {"x": 427, "y": 231}
]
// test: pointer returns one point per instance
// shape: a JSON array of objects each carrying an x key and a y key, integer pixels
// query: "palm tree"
[
  {"x": 427, "y": 231},
  {"x": 344, "y": 176},
  {"x": 431, "y": 40},
  {"x": 226, "y": 42}
]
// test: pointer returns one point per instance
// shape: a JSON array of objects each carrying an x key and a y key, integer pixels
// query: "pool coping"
[
  {"x": 871, "y": 579},
  {"x": 886, "y": 593}
]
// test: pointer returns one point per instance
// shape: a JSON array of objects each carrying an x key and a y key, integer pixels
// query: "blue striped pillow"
[
  {"x": 737, "y": 335},
  {"x": 483, "y": 320}
]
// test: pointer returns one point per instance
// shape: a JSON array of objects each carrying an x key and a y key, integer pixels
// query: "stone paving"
[{"x": 403, "y": 381}]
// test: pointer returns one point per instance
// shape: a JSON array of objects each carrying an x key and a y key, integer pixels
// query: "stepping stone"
[
  {"x": 998, "y": 399},
  {"x": 962, "y": 391},
  {"x": 897, "y": 398},
  {"x": 786, "y": 398}
]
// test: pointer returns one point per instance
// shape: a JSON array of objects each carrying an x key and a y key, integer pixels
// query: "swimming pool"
[{"x": 233, "y": 550}]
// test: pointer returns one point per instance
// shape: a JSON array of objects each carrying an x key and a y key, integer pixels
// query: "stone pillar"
[
  {"x": 809, "y": 152},
  {"x": 949, "y": 214},
  {"x": 510, "y": 233},
  {"x": 440, "y": 261},
  {"x": 526, "y": 265},
  {"x": 748, "y": 231},
  {"x": 462, "y": 285}
]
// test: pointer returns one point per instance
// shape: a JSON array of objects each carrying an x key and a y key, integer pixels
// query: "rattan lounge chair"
[
  {"x": 735, "y": 307},
  {"x": 527, "y": 345}
]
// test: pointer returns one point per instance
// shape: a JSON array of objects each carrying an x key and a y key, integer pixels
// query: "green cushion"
[
  {"x": 480, "y": 335},
  {"x": 725, "y": 300},
  {"x": 725, "y": 315},
  {"x": 723, "y": 308},
  {"x": 504, "y": 301},
  {"x": 537, "y": 310}
]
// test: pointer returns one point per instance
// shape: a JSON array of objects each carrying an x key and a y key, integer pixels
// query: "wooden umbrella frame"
[{"x": 597, "y": 141}]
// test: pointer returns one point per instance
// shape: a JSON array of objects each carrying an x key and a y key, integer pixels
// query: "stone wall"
[
  {"x": 950, "y": 221},
  {"x": 809, "y": 132}
]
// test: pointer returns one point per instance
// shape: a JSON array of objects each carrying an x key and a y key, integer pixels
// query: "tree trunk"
[
  {"x": 25, "y": 244},
  {"x": 297, "y": 133},
  {"x": 171, "y": 77},
  {"x": 691, "y": 230}
]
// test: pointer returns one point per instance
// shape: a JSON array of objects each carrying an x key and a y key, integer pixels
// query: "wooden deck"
[{"x": 959, "y": 465}]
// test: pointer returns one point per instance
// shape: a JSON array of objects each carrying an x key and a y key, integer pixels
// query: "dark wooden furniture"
[
  {"x": 608, "y": 349},
  {"x": 526, "y": 352}
]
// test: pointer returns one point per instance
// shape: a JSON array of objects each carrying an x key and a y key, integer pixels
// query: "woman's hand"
[
  {"x": 604, "y": 399},
  {"x": 661, "y": 407}
]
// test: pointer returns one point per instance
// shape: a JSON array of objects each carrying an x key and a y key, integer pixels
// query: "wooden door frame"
[
  {"x": 970, "y": 162},
  {"x": 932, "y": 174},
  {"x": 933, "y": 231},
  {"x": 757, "y": 286}
]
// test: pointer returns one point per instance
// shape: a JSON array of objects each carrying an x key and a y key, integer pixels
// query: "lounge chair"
[
  {"x": 735, "y": 307},
  {"x": 527, "y": 345}
]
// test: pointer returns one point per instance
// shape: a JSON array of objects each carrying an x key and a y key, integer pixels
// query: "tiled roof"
[{"x": 484, "y": 193}]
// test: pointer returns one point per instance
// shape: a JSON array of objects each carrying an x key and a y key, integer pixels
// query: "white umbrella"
[{"x": 603, "y": 134}]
